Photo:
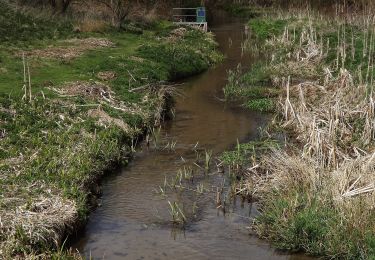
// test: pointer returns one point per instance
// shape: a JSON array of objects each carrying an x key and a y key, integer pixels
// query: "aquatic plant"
[
  {"x": 170, "y": 146},
  {"x": 200, "y": 188},
  {"x": 207, "y": 160},
  {"x": 155, "y": 133},
  {"x": 178, "y": 217},
  {"x": 188, "y": 173}
]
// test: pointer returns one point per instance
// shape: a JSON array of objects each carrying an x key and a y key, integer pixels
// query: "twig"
[
  {"x": 28, "y": 71},
  {"x": 24, "y": 76}
]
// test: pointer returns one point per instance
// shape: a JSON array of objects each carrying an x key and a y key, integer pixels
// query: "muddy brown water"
[{"x": 133, "y": 221}]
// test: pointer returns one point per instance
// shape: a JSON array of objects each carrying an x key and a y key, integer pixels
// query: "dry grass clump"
[
  {"x": 318, "y": 194},
  {"x": 163, "y": 102},
  {"x": 137, "y": 59},
  {"x": 334, "y": 120},
  {"x": 332, "y": 116},
  {"x": 338, "y": 126},
  {"x": 105, "y": 120},
  {"x": 300, "y": 55},
  {"x": 106, "y": 75},
  {"x": 104, "y": 97},
  {"x": 55, "y": 53},
  {"x": 92, "y": 90},
  {"x": 42, "y": 223},
  {"x": 75, "y": 49},
  {"x": 91, "y": 43},
  {"x": 3, "y": 70}
]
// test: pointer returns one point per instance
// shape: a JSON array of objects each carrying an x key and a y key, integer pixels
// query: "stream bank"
[{"x": 72, "y": 105}]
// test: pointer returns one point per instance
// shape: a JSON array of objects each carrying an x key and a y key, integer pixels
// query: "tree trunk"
[{"x": 60, "y": 6}]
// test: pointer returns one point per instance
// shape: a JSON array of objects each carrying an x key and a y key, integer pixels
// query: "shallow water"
[{"x": 133, "y": 221}]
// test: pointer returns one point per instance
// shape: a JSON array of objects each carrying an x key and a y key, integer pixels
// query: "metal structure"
[{"x": 191, "y": 16}]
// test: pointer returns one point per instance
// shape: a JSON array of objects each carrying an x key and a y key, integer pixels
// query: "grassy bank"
[
  {"x": 316, "y": 192},
  {"x": 73, "y": 105}
]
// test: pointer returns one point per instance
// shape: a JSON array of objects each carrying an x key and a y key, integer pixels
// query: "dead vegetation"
[
  {"x": 75, "y": 48},
  {"x": 325, "y": 172},
  {"x": 106, "y": 75},
  {"x": 91, "y": 90},
  {"x": 98, "y": 92},
  {"x": 42, "y": 223},
  {"x": 105, "y": 120}
]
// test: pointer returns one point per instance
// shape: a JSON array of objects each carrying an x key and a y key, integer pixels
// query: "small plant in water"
[
  {"x": 161, "y": 191},
  {"x": 207, "y": 161},
  {"x": 194, "y": 208},
  {"x": 188, "y": 173},
  {"x": 178, "y": 217},
  {"x": 171, "y": 146},
  {"x": 176, "y": 182},
  {"x": 200, "y": 188},
  {"x": 155, "y": 133}
]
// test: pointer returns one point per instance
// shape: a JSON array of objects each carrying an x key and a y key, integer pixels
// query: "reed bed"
[{"x": 318, "y": 192}]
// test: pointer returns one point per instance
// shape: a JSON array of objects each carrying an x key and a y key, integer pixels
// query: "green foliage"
[
  {"x": 257, "y": 75},
  {"x": 132, "y": 28},
  {"x": 58, "y": 161}
]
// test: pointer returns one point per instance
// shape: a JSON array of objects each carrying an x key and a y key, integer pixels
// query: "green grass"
[
  {"x": 163, "y": 61},
  {"x": 265, "y": 28},
  {"x": 59, "y": 161},
  {"x": 312, "y": 227},
  {"x": 243, "y": 152},
  {"x": 57, "y": 72},
  {"x": 261, "y": 104},
  {"x": 252, "y": 88}
]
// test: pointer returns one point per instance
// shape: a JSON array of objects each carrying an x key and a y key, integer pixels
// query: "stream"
[{"x": 133, "y": 221}]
